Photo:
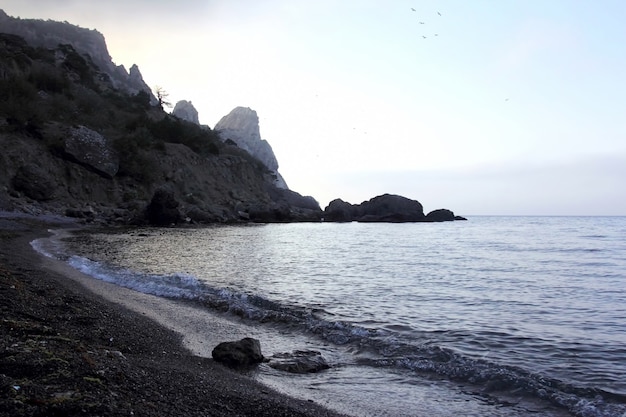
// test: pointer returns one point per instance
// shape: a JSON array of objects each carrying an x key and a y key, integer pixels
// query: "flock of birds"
[
  {"x": 436, "y": 34},
  {"x": 423, "y": 23}
]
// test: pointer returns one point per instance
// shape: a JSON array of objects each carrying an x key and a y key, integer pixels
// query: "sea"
[{"x": 493, "y": 316}]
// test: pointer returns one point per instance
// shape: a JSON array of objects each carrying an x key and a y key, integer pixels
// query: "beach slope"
[{"x": 66, "y": 351}]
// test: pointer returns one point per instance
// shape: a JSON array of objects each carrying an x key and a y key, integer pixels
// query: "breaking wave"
[{"x": 376, "y": 347}]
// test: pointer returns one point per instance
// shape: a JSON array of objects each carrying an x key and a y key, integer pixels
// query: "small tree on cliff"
[{"x": 162, "y": 96}]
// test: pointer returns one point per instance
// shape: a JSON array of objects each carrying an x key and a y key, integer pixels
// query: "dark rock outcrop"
[
  {"x": 88, "y": 42},
  {"x": 89, "y": 148},
  {"x": 391, "y": 208},
  {"x": 440, "y": 215},
  {"x": 384, "y": 208},
  {"x": 186, "y": 111},
  {"x": 71, "y": 139},
  {"x": 243, "y": 353},
  {"x": 77, "y": 131},
  {"x": 340, "y": 211},
  {"x": 34, "y": 182},
  {"x": 163, "y": 209}
]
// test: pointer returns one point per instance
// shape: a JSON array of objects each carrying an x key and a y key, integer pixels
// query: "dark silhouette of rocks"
[
  {"x": 384, "y": 208},
  {"x": 92, "y": 150},
  {"x": 78, "y": 141},
  {"x": 442, "y": 215},
  {"x": 90, "y": 42},
  {"x": 34, "y": 182},
  {"x": 163, "y": 209},
  {"x": 243, "y": 353}
]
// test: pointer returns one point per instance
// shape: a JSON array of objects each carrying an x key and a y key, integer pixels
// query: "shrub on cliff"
[{"x": 174, "y": 130}]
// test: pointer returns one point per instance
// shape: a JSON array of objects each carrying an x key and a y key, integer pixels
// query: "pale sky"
[{"x": 479, "y": 106}]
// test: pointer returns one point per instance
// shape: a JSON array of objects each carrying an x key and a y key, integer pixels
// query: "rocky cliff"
[
  {"x": 241, "y": 126},
  {"x": 185, "y": 110},
  {"x": 81, "y": 137},
  {"x": 89, "y": 43},
  {"x": 74, "y": 143}
]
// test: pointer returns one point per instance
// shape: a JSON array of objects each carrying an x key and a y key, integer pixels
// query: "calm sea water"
[{"x": 501, "y": 316}]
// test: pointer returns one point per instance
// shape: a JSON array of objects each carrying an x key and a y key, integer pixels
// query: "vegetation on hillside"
[{"x": 41, "y": 87}]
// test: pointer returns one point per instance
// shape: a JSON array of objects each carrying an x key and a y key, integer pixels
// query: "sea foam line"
[{"x": 429, "y": 359}]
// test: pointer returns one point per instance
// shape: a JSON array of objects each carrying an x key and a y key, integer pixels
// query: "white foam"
[{"x": 171, "y": 286}]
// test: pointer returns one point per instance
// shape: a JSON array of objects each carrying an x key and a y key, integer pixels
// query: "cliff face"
[
  {"x": 186, "y": 111},
  {"x": 75, "y": 144},
  {"x": 241, "y": 126},
  {"x": 91, "y": 43}
]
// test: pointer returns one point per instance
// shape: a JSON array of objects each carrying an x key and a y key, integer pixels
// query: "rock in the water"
[
  {"x": 440, "y": 215},
  {"x": 163, "y": 209},
  {"x": 244, "y": 352},
  {"x": 33, "y": 182},
  {"x": 241, "y": 126},
  {"x": 340, "y": 211},
  {"x": 92, "y": 150},
  {"x": 383, "y": 208},
  {"x": 186, "y": 111},
  {"x": 299, "y": 362},
  {"x": 389, "y": 207}
]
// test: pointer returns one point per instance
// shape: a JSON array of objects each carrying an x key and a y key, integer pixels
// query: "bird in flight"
[
  {"x": 439, "y": 13},
  {"x": 413, "y": 9}
]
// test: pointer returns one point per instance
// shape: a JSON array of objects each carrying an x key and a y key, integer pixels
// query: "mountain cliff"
[
  {"x": 91, "y": 43},
  {"x": 77, "y": 141},
  {"x": 241, "y": 126},
  {"x": 82, "y": 137},
  {"x": 185, "y": 110}
]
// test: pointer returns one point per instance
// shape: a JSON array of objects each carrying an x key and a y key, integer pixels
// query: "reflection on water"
[{"x": 541, "y": 296}]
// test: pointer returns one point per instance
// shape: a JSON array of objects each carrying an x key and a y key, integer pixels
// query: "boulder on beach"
[
  {"x": 245, "y": 352},
  {"x": 163, "y": 209},
  {"x": 34, "y": 182}
]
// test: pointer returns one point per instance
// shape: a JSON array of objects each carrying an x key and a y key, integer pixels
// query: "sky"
[{"x": 483, "y": 107}]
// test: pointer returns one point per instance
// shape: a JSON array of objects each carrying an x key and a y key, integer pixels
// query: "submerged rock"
[
  {"x": 245, "y": 352},
  {"x": 299, "y": 362}
]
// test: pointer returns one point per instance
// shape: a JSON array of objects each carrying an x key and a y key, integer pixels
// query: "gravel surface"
[{"x": 66, "y": 352}]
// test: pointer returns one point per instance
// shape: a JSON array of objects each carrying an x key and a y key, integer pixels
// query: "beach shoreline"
[{"x": 68, "y": 351}]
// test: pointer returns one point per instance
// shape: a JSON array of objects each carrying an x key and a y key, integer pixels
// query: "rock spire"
[
  {"x": 186, "y": 111},
  {"x": 241, "y": 126}
]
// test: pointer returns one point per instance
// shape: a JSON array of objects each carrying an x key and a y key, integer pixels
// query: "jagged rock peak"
[
  {"x": 242, "y": 119},
  {"x": 186, "y": 111},
  {"x": 241, "y": 126}
]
